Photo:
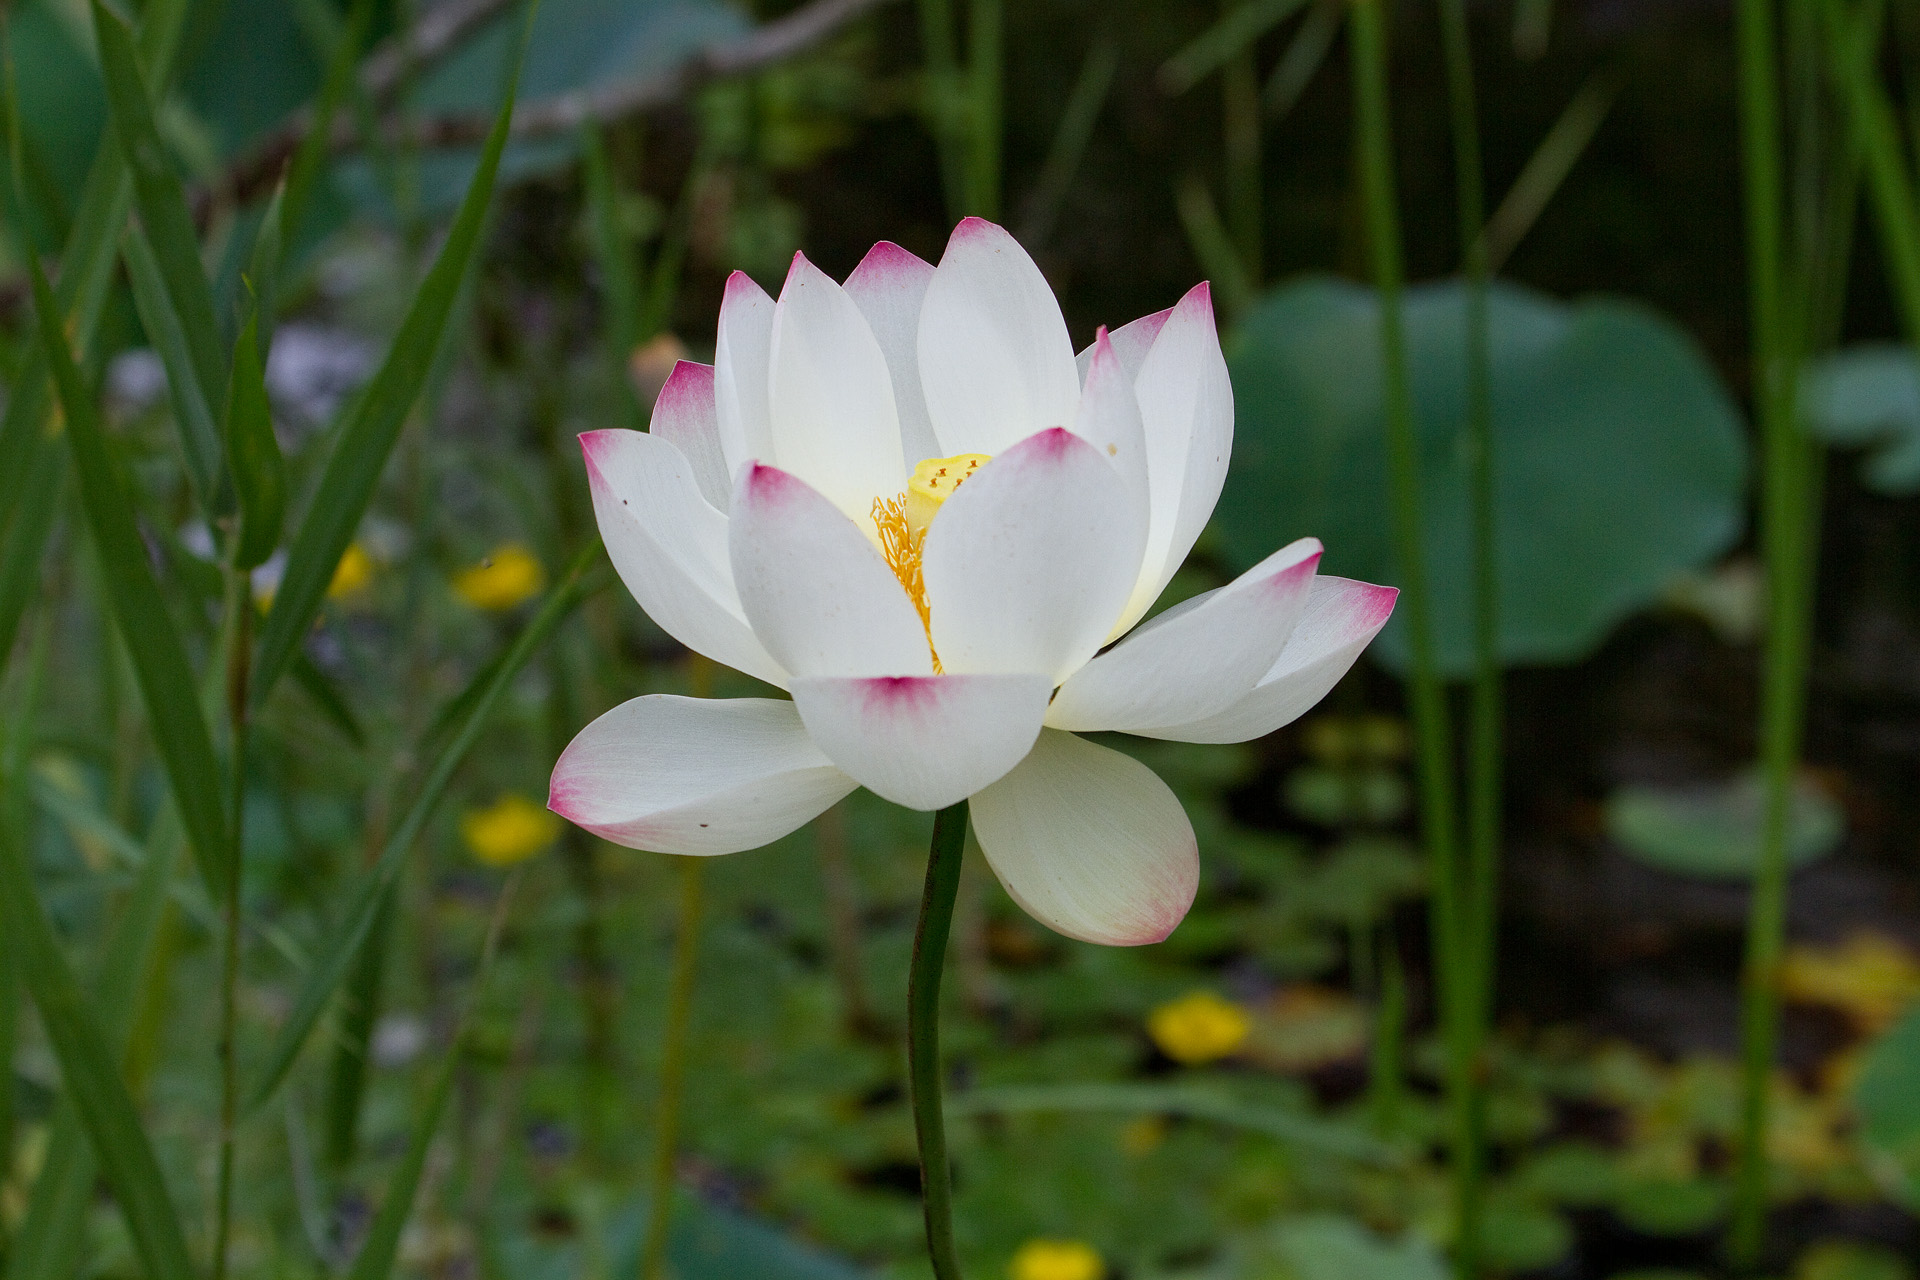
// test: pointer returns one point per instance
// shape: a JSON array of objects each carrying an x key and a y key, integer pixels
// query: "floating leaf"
[
  {"x": 1670, "y": 1206},
  {"x": 1712, "y": 830},
  {"x": 1887, "y": 1096},
  {"x": 1868, "y": 396},
  {"x": 1620, "y": 459},
  {"x": 1325, "y": 1246}
]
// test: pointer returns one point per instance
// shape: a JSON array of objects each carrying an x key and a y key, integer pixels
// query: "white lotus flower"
[{"x": 904, "y": 501}]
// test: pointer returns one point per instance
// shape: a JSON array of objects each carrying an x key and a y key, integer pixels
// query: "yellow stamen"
[{"x": 902, "y": 525}]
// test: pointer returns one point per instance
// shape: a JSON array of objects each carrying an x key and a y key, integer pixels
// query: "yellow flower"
[
  {"x": 352, "y": 574},
  {"x": 504, "y": 579},
  {"x": 1198, "y": 1028},
  {"x": 511, "y": 829},
  {"x": 1056, "y": 1260},
  {"x": 1870, "y": 977}
]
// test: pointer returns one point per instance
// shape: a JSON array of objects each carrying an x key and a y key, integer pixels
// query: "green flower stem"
[
  {"x": 1468, "y": 1006},
  {"x": 986, "y": 56},
  {"x": 239, "y": 626},
  {"x": 923, "y": 1033},
  {"x": 1785, "y": 512},
  {"x": 673, "y": 1068},
  {"x": 1453, "y": 961}
]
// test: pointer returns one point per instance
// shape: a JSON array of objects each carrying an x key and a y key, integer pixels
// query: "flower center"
[{"x": 902, "y": 524}]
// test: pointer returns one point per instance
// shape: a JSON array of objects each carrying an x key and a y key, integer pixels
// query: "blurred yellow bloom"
[
  {"x": 511, "y": 829},
  {"x": 352, "y": 574},
  {"x": 504, "y": 579},
  {"x": 1870, "y": 977},
  {"x": 1056, "y": 1260},
  {"x": 1198, "y": 1028}
]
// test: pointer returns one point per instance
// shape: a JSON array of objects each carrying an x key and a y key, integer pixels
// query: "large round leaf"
[{"x": 1621, "y": 459}]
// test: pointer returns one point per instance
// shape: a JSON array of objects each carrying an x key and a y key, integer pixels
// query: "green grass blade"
[
  {"x": 327, "y": 696},
  {"x": 53, "y": 1233},
  {"x": 167, "y": 684},
  {"x": 89, "y": 1070},
  {"x": 162, "y": 202},
  {"x": 304, "y": 173},
  {"x": 43, "y": 468},
  {"x": 375, "y": 1261},
  {"x": 192, "y": 411},
  {"x": 330, "y": 968},
  {"x": 253, "y": 455},
  {"x": 368, "y": 435},
  {"x": 1219, "y": 43}
]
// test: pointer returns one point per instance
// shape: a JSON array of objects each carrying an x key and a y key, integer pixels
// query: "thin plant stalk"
[
  {"x": 1240, "y": 120},
  {"x": 239, "y": 622},
  {"x": 944, "y": 858},
  {"x": 1430, "y": 719},
  {"x": 1471, "y": 996},
  {"x": 986, "y": 57},
  {"x": 943, "y": 76},
  {"x": 673, "y": 1068},
  {"x": 1784, "y": 538}
]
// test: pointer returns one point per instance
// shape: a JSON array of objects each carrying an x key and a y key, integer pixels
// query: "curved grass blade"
[
  {"x": 373, "y": 425},
  {"x": 330, "y": 968},
  {"x": 167, "y": 684},
  {"x": 253, "y": 455},
  {"x": 327, "y": 696},
  {"x": 1219, "y": 43},
  {"x": 164, "y": 215},
  {"x": 89, "y": 1070},
  {"x": 192, "y": 411},
  {"x": 304, "y": 172},
  {"x": 375, "y": 1261},
  {"x": 53, "y": 1233},
  {"x": 44, "y": 471}
]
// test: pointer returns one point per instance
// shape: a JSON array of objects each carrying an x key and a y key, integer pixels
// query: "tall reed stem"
[
  {"x": 1438, "y": 820},
  {"x": 1784, "y": 513},
  {"x": 1471, "y": 1002},
  {"x": 944, "y": 857},
  {"x": 673, "y": 1068},
  {"x": 239, "y": 625}
]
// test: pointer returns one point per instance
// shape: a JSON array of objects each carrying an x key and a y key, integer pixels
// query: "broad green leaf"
[
  {"x": 1620, "y": 458},
  {"x": 1852, "y": 1260},
  {"x": 253, "y": 455},
  {"x": 1712, "y": 830},
  {"x": 165, "y": 218},
  {"x": 89, "y": 1069},
  {"x": 1869, "y": 397},
  {"x": 1327, "y": 1246},
  {"x": 330, "y": 967},
  {"x": 1670, "y": 1206},
  {"x": 367, "y": 437},
  {"x": 167, "y": 684},
  {"x": 192, "y": 411},
  {"x": 1887, "y": 1097},
  {"x": 706, "y": 1242}
]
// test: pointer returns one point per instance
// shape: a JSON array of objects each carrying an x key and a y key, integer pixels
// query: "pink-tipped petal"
[
  {"x": 924, "y": 741},
  {"x": 816, "y": 591},
  {"x": 889, "y": 286},
  {"x": 1109, "y": 420},
  {"x": 685, "y": 415},
  {"x": 995, "y": 360},
  {"x": 1131, "y": 342},
  {"x": 1197, "y": 659},
  {"x": 1341, "y": 618},
  {"x": 670, "y": 547},
  {"x": 1029, "y": 563},
  {"x": 741, "y": 357},
  {"x": 1090, "y": 842},
  {"x": 831, "y": 397},
  {"x": 694, "y": 775},
  {"x": 1186, "y": 404}
]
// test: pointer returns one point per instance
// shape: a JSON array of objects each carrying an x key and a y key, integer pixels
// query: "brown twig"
[{"x": 766, "y": 44}]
